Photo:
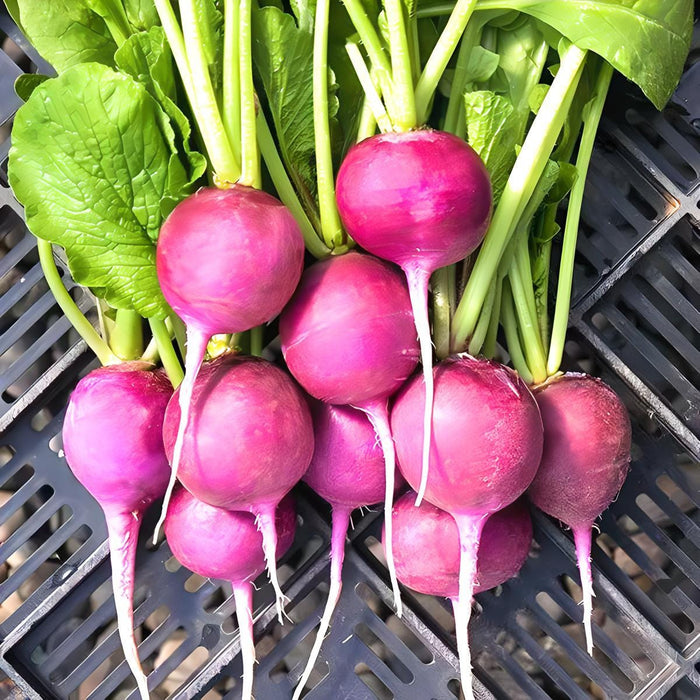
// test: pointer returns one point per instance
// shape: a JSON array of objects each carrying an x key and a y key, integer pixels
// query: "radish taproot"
[
  {"x": 227, "y": 545},
  {"x": 486, "y": 446},
  {"x": 248, "y": 441},
  {"x": 347, "y": 470},
  {"x": 420, "y": 199},
  {"x": 348, "y": 337},
  {"x": 587, "y": 442},
  {"x": 227, "y": 260},
  {"x": 426, "y": 541},
  {"x": 112, "y": 442}
]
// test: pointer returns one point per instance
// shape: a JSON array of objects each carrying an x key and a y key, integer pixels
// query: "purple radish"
[
  {"x": 587, "y": 442},
  {"x": 225, "y": 544},
  {"x": 420, "y": 199},
  {"x": 227, "y": 260},
  {"x": 347, "y": 470},
  {"x": 426, "y": 542},
  {"x": 486, "y": 446},
  {"x": 112, "y": 441},
  {"x": 248, "y": 441},
  {"x": 348, "y": 337}
]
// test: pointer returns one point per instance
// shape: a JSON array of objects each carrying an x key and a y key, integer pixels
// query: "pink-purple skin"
[
  {"x": 225, "y": 544},
  {"x": 587, "y": 442},
  {"x": 227, "y": 260},
  {"x": 348, "y": 337},
  {"x": 486, "y": 446},
  {"x": 249, "y": 439},
  {"x": 112, "y": 442},
  {"x": 420, "y": 199},
  {"x": 347, "y": 470},
  {"x": 426, "y": 540}
]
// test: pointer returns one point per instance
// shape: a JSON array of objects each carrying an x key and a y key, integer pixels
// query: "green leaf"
[
  {"x": 25, "y": 84},
  {"x": 646, "y": 40},
  {"x": 66, "y": 32},
  {"x": 90, "y": 163},
  {"x": 283, "y": 56},
  {"x": 146, "y": 57},
  {"x": 142, "y": 14},
  {"x": 493, "y": 130}
]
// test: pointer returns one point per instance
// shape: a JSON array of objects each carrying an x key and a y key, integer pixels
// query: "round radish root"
[
  {"x": 224, "y": 544},
  {"x": 420, "y": 199},
  {"x": 587, "y": 441},
  {"x": 248, "y": 441},
  {"x": 487, "y": 443},
  {"x": 347, "y": 470},
  {"x": 227, "y": 260},
  {"x": 348, "y": 337},
  {"x": 426, "y": 541},
  {"x": 112, "y": 441}
]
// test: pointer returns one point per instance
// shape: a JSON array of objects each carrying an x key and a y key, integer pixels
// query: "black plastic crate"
[{"x": 636, "y": 324}]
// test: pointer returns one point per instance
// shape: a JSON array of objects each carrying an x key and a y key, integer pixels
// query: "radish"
[
  {"x": 227, "y": 260},
  {"x": 348, "y": 337},
  {"x": 426, "y": 540},
  {"x": 248, "y": 441},
  {"x": 487, "y": 443},
  {"x": 112, "y": 441},
  {"x": 347, "y": 470},
  {"x": 420, "y": 199},
  {"x": 225, "y": 544},
  {"x": 587, "y": 442}
]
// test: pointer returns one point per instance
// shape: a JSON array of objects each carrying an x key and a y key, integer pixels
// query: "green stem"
[
  {"x": 440, "y": 56},
  {"x": 232, "y": 77},
  {"x": 178, "y": 331},
  {"x": 70, "y": 308},
  {"x": 256, "y": 341},
  {"x": 442, "y": 284},
  {"x": 117, "y": 22},
  {"x": 482, "y": 327},
  {"x": 126, "y": 339},
  {"x": 527, "y": 322},
  {"x": 372, "y": 43},
  {"x": 542, "y": 288},
  {"x": 510, "y": 326},
  {"x": 367, "y": 125},
  {"x": 403, "y": 109},
  {"x": 522, "y": 181},
  {"x": 285, "y": 189},
  {"x": 151, "y": 353},
  {"x": 414, "y": 46},
  {"x": 455, "y": 122},
  {"x": 372, "y": 97},
  {"x": 331, "y": 228},
  {"x": 573, "y": 214},
  {"x": 206, "y": 109},
  {"x": 250, "y": 159},
  {"x": 167, "y": 353},
  {"x": 489, "y": 347},
  {"x": 176, "y": 41}
]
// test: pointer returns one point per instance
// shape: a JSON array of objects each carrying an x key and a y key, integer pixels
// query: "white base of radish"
[
  {"x": 196, "y": 348},
  {"x": 341, "y": 522},
  {"x": 265, "y": 519},
  {"x": 378, "y": 415},
  {"x": 123, "y": 531},
  {"x": 243, "y": 596},
  {"x": 582, "y": 539}
]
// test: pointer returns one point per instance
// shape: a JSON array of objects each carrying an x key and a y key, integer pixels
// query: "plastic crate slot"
[
  {"x": 372, "y": 680},
  {"x": 383, "y": 653},
  {"x": 687, "y": 498},
  {"x": 14, "y": 476},
  {"x": 505, "y": 678}
]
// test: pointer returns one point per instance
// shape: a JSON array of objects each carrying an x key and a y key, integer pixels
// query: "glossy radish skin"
[
  {"x": 347, "y": 470},
  {"x": 486, "y": 446},
  {"x": 224, "y": 544},
  {"x": 248, "y": 441},
  {"x": 587, "y": 441},
  {"x": 420, "y": 199},
  {"x": 427, "y": 547},
  {"x": 347, "y": 334},
  {"x": 227, "y": 260},
  {"x": 348, "y": 337},
  {"x": 112, "y": 442}
]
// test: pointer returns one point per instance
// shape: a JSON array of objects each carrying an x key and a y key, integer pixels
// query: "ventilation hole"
[
  {"x": 383, "y": 653},
  {"x": 376, "y": 686}
]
